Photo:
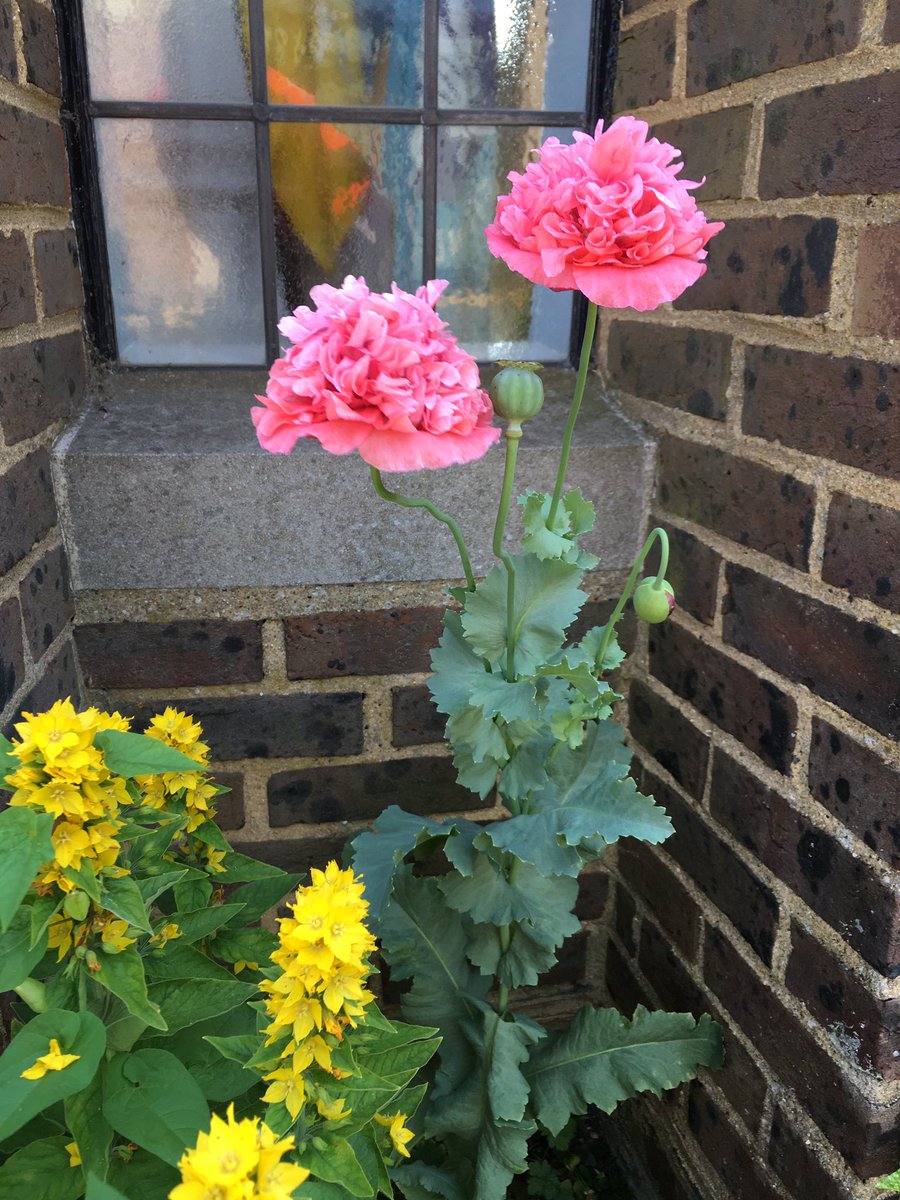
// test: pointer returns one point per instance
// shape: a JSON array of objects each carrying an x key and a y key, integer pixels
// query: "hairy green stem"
[
  {"x": 584, "y": 363},
  {"x": 411, "y": 502},
  {"x": 654, "y": 535},
  {"x": 504, "y": 932},
  {"x": 34, "y": 993},
  {"x": 513, "y": 435}
]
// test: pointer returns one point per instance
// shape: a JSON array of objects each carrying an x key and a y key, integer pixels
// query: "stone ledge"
[{"x": 163, "y": 485}]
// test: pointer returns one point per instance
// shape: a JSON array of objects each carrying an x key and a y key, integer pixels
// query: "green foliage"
[
  {"x": 24, "y": 846},
  {"x": 573, "y": 517},
  {"x": 17, "y": 953},
  {"x": 41, "y": 1171},
  {"x": 132, "y": 754},
  {"x": 151, "y": 1099},
  {"x": 890, "y": 1183}
]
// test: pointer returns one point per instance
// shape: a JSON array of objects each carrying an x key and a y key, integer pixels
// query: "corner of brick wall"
[
  {"x": 42, "y": 362},
  {"x": 765, "y": 714}
]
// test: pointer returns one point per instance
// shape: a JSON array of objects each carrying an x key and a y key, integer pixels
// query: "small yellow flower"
[
  {"x": 399, "y": 1134},
  {"x": 53, "y": 1060},
  {"x": 70, "y": 844},
  {"x": 168, "y": 933},
  {"x": 74, "y": 1154},
  {"x": 112, "y": 933},
  {"x": 333, "y": 1110},
  {"x": 286, "y": 1086},
  {"x": 59, "y": 935},
  {"x": 244, "y": 965}
]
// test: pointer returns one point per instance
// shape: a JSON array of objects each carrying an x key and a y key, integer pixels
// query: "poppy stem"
[
  {"x": 415, "y": 502},
  {"x": 584, "y": 363}
]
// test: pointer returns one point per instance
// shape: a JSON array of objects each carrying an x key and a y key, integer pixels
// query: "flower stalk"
[
  {"x": 584, "y": 362},
  {"x": 654, "y": 535},
  {"x": 513, "y": 435},
  {"x": 444, "y": 518}
]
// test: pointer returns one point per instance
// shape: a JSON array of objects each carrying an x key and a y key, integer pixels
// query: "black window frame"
[{"x": 79, "y": 112}]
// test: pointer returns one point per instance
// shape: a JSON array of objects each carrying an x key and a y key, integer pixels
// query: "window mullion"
[{"x": 265, "y": 192}]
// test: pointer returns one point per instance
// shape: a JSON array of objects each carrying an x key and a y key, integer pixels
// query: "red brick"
[
  {"x": 858, "y": 786},
  {"x": 854, "y": 664},
  {"x": 852, "y": 896},
  {"x": 865, "y": 1028},
  {"x": 866, "y": 1133},
  {"x": 713, "y": 145},
  {"x": 756, "y": 712},
  {"x": 644, "y": 67},
  {"x": 683, "y": 368},
  {"x": 230, "y": 806},
  {"x": 693, "y": 572},
  {"x": 41, "y": 52},
  {"x": 842, "y": 408},
  {"x": 738, "y": 499},
  {"x": 877, "y": 281},
  {"x": 34, "y": 160},
  {"x": 622, "y": 984},
  {"x": 364, "y": 790},
  {"x": 730, "y": 40},
  {"x": 59, "y": 276},
  {"x": 857, "y": 550},
  {"x": 27, "y": 507},
  {"x": 797, "y": 1164},
  {"x": 740, "y": 1079},
  {"x": 780, "y": 266},
  {"x": 46, "y": 601},
  {"x": 16, "y": 281},
  {"x": 667, "y": 975},
  {"x": 369, "y": 642},
  {"x": 39, "y": 381},
  {"x": 814, "y": 141},
  {"x": 723, "y": 877},
  {"x": 663, "y": 893},
  {"x": 726, "y": 1152},
  {"x": 414, "y": 719},
  {"x": 12, "y": 657},
  {"x": 673, "y": 741},
  {"x": 8, "y": 66},
  {"x": 139, "y": 654}
]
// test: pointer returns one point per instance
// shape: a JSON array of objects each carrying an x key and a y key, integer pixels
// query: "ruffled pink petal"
[
  {"x": 391, "y": 451},
  {"x": 640, "y": 287},
  {"x": 340, "y": 437}
]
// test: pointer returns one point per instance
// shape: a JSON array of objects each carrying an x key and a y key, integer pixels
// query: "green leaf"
[
  {"x": 526, "y": 771},
  {"x": 587, "y": 649},
  {"x": 211, "y": 835},
  {"x": 573, "y": 517},
  {"x": 378, "y": 853},
  {"x": 42, "y": 910},
  {"x": 531, "y": 952},
  {"x": 77, "y": 1033},
  {"x": 41, "y": 1171},
  {"x": 151, "y": 1100},
  {"x": 17, "y": 954},
  {"x": 143, "y": 1177},
  {"x": 337, "y": 1163},
  {"x": 195, "y": 926},
  {"x": 401, "y": 1063},
  {"x": 456, "y": 667},
  {"x": 194, "y": 892},
  {"x": 249, "y": 945},
  {"x": 239, "y": 868},
  {"x": 25, "y": 846},
  {"x": 131, "y": 754},
  {"x": 493, "y": 896},
  {"x": 239, "y": 1048},
  {"x": 153, "y": 886},
  {"x": 889, "y": 1183},
  {"x": 123, "y": 975},
  {"x": 547, "y": 601},
  {"x": 184, "y": 1002},
  {"x": 97, "y": 1189},
  {"x": 419, "y": 1181},
  {"x": 602, "y": 1059},
  {"x": 261, "y": 895},
  {"x": 9, "y": 762},
  {"x": 481, "y": 738},
  {"x": 497, "y": 697},
  {"x": 123, "y": 897},
  {"x": 219, "y": 1077},
  {"x": 176, "y": 961},
  {"x": 91, "y": 1131}
]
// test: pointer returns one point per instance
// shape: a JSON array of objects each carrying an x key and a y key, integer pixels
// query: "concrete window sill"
[{"x": 163, "y": 485}]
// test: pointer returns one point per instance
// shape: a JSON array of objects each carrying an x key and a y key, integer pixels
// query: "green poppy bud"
[
  {"x": 517, "y": 392},
  {"x": 653, "y": 604},
  {"x": 76, "y": 906}
]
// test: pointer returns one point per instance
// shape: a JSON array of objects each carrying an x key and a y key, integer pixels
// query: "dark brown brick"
[
  {"x": 780, "y": 266},
  {"x": 41, "y": 52},
  {"x": 813, "y": 140},
  {"x": 683, "y": 368},
  {"x": 742, "y": 1173},
  {"x": 866, "y": 1029},
  {"x": 857, "y": 555},
  {"x": 274, "y": 726},
  {"x": 729, "y": 40},
  {"x": 597, "y": 612},
  {"x": 230, "y": 806},
  {"x": 296, "y": 854},
  {"x": 867, "y": 1134},
  {"x": 414, "y": 719},
  {"x": 632, "y": 6},
  {"x": 853, "y": 897},
  {"x": 138, "y": 654},
  {"x": 59, "y": 276},
  {"x": 847, "y": 409},
  {"x": 739, "y": 499},
  {"x": 370, "y": 642},
  {"x": 663, "y": 893},
  {"x": 644, "y": 68},
  {"x": 625, "y": 913},
  {"x": 858, "y": 786},
  {"x": 16, "y": 281},
  {"x": 34, "y": 160},
  {"x": 734, "y": 889},
  {"x": 58, "y": 680},
  {"x": 624, "y": 989},
  {"x": 46, "y": 601},
  {"x": 593, "y": 893},
  {"x": 796, "y": 1162},
  {"x": 892, "y": 22},
  {"x": 12, "y": 657},
  {"x": 667, "y": 975},
  {"x": 854, "y": 664},
  {"x": 39, "y": 381},
  {"x": 877, "y": 281},
  {"x": 27, "y": 507},
  {"x": 756, "y": 712},
  {"x": 740, "y": 1079},
  {"x": 571, "y": 961},
  {"x": 8, "y": 66},
  {"x": 673, "y": 741},
  {"x": 713, "y": 145},
  {"x": 693, "y": 572},
  {"x": 364, "y": 790}
]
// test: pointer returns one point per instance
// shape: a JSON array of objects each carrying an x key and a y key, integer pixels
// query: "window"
[{"x": 234, "y": 153}]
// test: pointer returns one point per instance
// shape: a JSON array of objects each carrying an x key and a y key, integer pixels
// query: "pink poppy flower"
[
  {"x": 605, "y": 216},
  {"x": 379, "y": 373}
]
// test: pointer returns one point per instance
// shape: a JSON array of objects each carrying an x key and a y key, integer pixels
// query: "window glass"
[{"x": 182, "y": 229}]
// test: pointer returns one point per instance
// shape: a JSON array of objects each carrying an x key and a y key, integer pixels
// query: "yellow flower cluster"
[
  {"x": 238, "y": 1160},
  {"x": 321, "y": 990}
]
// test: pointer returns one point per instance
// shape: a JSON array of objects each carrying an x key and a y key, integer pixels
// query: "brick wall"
[
  {"x": 766, "y": 713},
  {"x": 41, "y": 361}
]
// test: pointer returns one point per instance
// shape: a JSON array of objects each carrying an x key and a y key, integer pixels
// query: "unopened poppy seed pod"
[
  {"x": 653, "y": 604},
  {"x": 517, "y": 392}
]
